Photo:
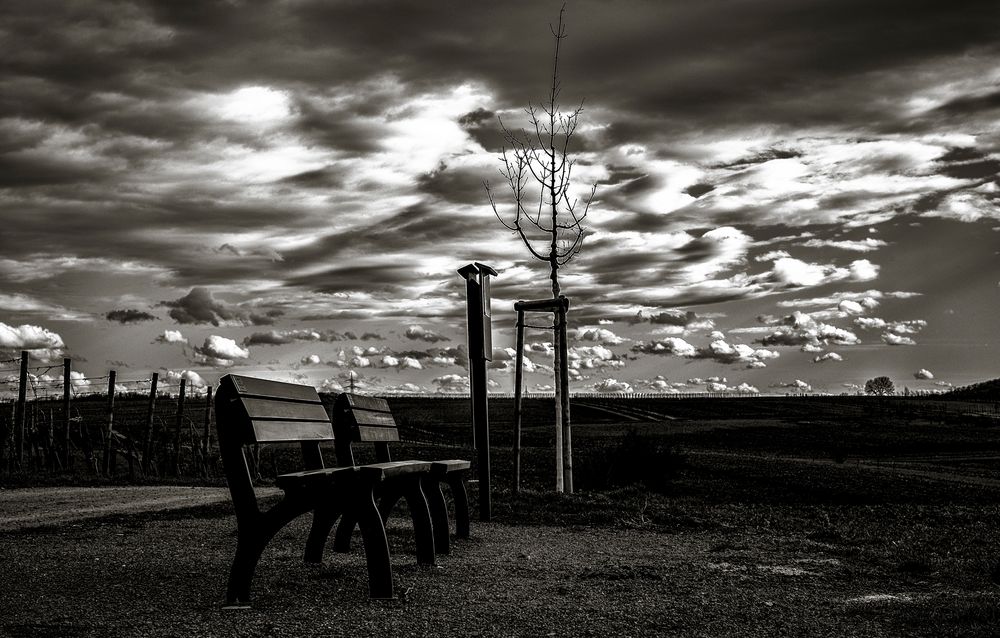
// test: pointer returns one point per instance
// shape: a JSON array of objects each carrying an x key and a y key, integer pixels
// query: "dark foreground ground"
[{"x": 794, "y": 525}]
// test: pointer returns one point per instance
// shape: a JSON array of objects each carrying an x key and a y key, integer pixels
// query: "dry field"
[{"x": 761, "y": 526}]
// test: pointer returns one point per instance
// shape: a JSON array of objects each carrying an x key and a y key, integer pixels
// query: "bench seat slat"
[
  {"x": 395, "y": 468},
  {"x": 273, "y": 431},
  {"x": 370, "y": 434},
  {"x": 274, "y": 389},
  {"x": 367, "y": 403},
  {"x": 449, "y": 465},
  {"x": 284, "y": 410},
  {"x": 366, "y": 417},
  {"x": 326, "y": 475}
]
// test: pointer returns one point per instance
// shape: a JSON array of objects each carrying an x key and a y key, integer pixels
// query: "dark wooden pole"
[
  {"x": 206, "y": 439},
  {"x": 148, "y": 445},
  {"x": 518, "y": 374},
  {"x": 20, "y": 414},
  {"x": 478, "y": 386},
  {"x": 67, "y": 394},
  {"x": 567, "y": 437},
  {"x": 177, "y": 429},
  {"x": 108, "y": 461}
]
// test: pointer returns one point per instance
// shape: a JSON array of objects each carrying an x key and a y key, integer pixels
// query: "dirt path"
[{"x": 43, "y": 506}]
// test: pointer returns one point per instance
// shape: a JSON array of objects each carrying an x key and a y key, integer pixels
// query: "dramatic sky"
[{"x": 791, "y": 194}]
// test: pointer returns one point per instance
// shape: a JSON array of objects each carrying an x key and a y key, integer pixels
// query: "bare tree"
[
  {"x": 547, "y": 217},
  {"x": 553, "y": 229}
]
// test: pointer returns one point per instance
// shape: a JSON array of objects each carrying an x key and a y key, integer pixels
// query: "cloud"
[
  {"x": 923, "y": 373},
  {"x": 791, "y": 272},
  {"x": 171, "y": 336},
  {"x": 220, "y": 351},
  {"x": 129, "y": 315},
  {"x": 865, "y": 245},
  {"x": 201, "y": 306},
  {"x": 612, "y": 386},
  {"x": 798, "y": 385},
  {"x": 718, "y": 350},
  {"x": 310, "y": 360},
  {"x": 893, "y": 339},
  {"x": 802, "y": 330},
  {"x": 851, "y": 307},
  {"x": 192, "y": 378},
  {"x": 827, "y": 356},
  {"x": 600, "y": 335},
  {"x": 419, "y": 333},
  {"x": 451, "y": 383},
  {"x": 29, "y": 337}
]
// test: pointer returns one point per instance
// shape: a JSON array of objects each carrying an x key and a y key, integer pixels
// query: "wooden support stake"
[
  {"x": 67, "y": 394},
  {"x": 518, "y": 379},
  {"x": 567, "y": 438},
  {"x": 149, "y": 445},
  {"x": 108, "y": 461},
  {"x": 177, "y": 429},
  {"x": 206, "y": 438},
  {"x": 19, "y": 414}
]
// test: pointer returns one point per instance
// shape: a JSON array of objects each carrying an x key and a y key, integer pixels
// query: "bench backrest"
[
  {"x": 249, "y": 410},
  {"x": 361, "y": 419}
]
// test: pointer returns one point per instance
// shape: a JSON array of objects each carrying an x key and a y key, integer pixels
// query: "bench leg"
[
  {"x": 376, "y": 545},
  {"x": 456, "y": 481},
  {"x": 253, "y": 537},
  {"x": 342, "y": 537},
  {"x": 324, "y": 518},
  {"x": 388, "y": 498},
  {"x": 439, "y": 514},
  {"x": 423, "y": 529}
]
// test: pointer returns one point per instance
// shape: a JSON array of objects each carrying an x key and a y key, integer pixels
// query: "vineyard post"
[
  {"x": 67, "y": 387},
  {"x": 19, "y": 414},
  {"x": 206, "y": 440},
  {"x": 148, "y": 444},
  {"x": 177, "y": 429},
  {"x": 108, "y": 461}
]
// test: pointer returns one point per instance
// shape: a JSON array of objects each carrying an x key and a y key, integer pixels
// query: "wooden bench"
[
  {"x": 251, "y": 411},
  {"x": 363, "y": 419}
]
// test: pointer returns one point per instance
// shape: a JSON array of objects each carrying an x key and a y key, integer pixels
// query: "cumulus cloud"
[
  {"x": 192, "y": 378},
  {"x": 29, "y": 337},
  {"x": 827, "y": 356},
  {"x": 600, "y": 335},
  {"x": 850, "y": 307},
  {"x": 129, "y": 315},
  {"x": 220, "y": 351},
  {"x": 797, "y": 385},
  {"x": 718, "y": 350},
  {"x": 419, "y": 333},
  {"x": 311, "y": 360},
  {"x": 451, "y": 383},
  {"x": 793, "y": 273},
  {"x": 612, "y": 386},
  {"x": 201, "y": 306},
  {"x": 923, "y": 373},
  {"x": 894, "y": 339},
  {"x": 802, "y": 330},
  {"x": 865, "y": 245},
  {"x": 171, "y": 336}
]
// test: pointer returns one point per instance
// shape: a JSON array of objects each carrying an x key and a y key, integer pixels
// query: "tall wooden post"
[
  {"x": 563, "y": 372},
  {"x": 67, "y": 393},
  {"x": 206, "y": 438},
  {"x": 148, "y": 446},
  {"x": 518, "y": 382},
  {"x": 480, "y": 351},
  {"x": 108, "y": 462},
  {"x": 19, "y": 414},
  {"x": 177, "y": 429}
]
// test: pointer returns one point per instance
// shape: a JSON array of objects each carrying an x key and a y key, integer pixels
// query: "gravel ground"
[{"x": 162, "y": 573}]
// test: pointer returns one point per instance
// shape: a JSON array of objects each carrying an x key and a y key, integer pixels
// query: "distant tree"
[{"x": 880, "y": 387}]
